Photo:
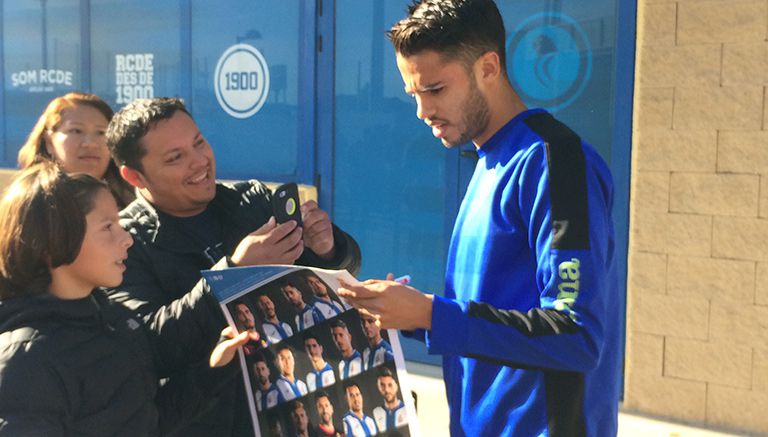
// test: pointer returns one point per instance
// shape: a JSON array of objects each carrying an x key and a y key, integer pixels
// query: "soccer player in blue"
[
  {"x": 267, "y": 395},
  {"x": 287, "y": 383},
  {"x": 529, "y": 324},
  {"x": 351, "y": 362},
  {"x": 322, "y": 373},
  {"x": 356, "y": 423},
  {"x": 392, "y": 414},
  {"x": 322, "y": 300},
  {"x": 379, "y": 350},
  {"x": 273, "y": 328},
  {"x": 307, "y": 315}
]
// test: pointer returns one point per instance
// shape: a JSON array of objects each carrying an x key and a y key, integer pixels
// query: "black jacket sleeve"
[
  {"x": 347, "y": 254},
  {"x": 186, "y": 330},
  {"x": 32, "y": 399}
]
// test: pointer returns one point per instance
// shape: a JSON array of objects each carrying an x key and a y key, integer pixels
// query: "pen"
[{"x": 405, "y": 279}]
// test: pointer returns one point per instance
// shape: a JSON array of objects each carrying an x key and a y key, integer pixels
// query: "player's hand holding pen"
[{"x": 393, "y": 304}]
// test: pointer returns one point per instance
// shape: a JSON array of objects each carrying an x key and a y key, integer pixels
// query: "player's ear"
[{"x": 488, "y": 66}]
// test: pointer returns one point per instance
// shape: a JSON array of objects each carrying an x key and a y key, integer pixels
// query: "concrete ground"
[{"x": 426, "y": 381}]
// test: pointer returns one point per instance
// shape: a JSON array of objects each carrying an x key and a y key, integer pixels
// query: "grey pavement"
[{"x": 426, "y": 381}]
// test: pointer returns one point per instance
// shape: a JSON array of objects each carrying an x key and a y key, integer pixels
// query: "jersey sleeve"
[{"x": 563, "y": 202}]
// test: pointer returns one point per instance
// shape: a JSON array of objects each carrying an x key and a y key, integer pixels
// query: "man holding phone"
[{"x": 183, "y": 221}]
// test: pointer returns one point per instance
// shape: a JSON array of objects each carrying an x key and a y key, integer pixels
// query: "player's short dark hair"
[
  {"x": 338, "y": 323},
  {"x": 384, "y": 372},
  {"x": 322, "y": 394},
  {"x": 349, "y": 385},
  {"x": 281, "y": 348},
  {"x": 459, "y": 30},
  {"x": 310, "y": 335},
  {"x": 133, "y": 122},
  {"x": 258, "y": 356}
]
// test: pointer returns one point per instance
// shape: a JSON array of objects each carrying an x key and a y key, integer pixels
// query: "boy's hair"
[
  {"x": 42, "y": 226},
  {"x": 459, "y": 30}
]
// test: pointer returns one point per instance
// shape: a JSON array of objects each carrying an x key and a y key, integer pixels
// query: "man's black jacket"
[{"x": 164, "y": 264}]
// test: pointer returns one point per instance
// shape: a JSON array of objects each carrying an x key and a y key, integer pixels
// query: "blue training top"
[{"x": 530, "y": 325}]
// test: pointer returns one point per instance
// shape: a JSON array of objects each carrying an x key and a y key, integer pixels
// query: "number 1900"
[{"x": 241, "y": 80}]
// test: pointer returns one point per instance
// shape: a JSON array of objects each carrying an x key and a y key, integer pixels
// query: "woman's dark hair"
[
  {"x": 42, "y": 225},
  {"x": 34, "y": 149},
  {"x": 458, "y": 30}
]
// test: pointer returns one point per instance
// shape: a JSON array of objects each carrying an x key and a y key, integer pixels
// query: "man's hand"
[
  {"x": 392, "y": 304},
  {"x": 270, "y": 244},
  {"x": 224, "y": 352},
  {"x": 318, "y": 231}
]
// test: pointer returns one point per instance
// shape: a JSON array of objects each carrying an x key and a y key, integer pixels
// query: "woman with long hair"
[
  {"x": 71, "y": 132},
  {"x": 72, "y": 362}
]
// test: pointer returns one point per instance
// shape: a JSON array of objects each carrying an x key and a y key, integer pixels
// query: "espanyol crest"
[{"x": 549, "y": 60}]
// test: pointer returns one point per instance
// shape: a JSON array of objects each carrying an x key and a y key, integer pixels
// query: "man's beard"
[{"x": 475, "y": 117}]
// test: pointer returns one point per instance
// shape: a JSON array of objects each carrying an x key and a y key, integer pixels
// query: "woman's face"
[
  {"x": 100, "y": 262},
  {"x": 79, "y": 144}
]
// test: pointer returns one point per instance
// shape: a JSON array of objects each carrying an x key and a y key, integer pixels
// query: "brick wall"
[{"x": 697, "y": 326}]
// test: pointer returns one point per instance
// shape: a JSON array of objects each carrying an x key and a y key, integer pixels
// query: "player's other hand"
[
  {"x": 394, "y": 305},
  {"x": 318, "y": 231},
  {"x": 270, "y": 244}
]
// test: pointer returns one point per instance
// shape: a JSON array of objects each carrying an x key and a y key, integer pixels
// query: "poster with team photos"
[{"x": 319, "y": 368}]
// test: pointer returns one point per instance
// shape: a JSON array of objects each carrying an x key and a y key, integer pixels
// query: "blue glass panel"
[
  {"x": 41, "y": 48},
  {"x": 135, "y": 49},
  {"x": 391, "y": 175},
  {"x": 395, "y": 186},
  {"x": 250, "y": 142},
  {"x": 561, "y": 56}
]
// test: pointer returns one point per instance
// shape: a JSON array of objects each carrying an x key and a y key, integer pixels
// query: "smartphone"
[{"x": 285, "y": 203}]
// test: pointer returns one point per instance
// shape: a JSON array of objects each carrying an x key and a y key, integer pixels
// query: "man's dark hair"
[
  {"x": 288, "y": 282},
  {"x": 309, "y": 335},
  {"x": 461, "y": 30},
  {"x": 131, "y": 124},
  {"x": 384, "y": 372},
  {"x": 322, "y": 394},
  {"x": 259, "y": 357},
  {"x": 283, "y": 347},
  {"x": 349, "y": 385},
  {"x": 338, "y": 323}
]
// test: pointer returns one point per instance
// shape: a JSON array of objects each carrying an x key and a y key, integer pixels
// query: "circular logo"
[
  {"x": 549, "y": 60},
  {"x": 241, "y": 81},
  {"x": 290, "y": 206}
]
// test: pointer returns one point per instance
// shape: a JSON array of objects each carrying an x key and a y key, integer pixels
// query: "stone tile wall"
[{"x": 697, "y": 324}]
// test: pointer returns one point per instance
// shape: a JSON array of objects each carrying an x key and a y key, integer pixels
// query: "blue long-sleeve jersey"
[{"x": 530, "y": 325}]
